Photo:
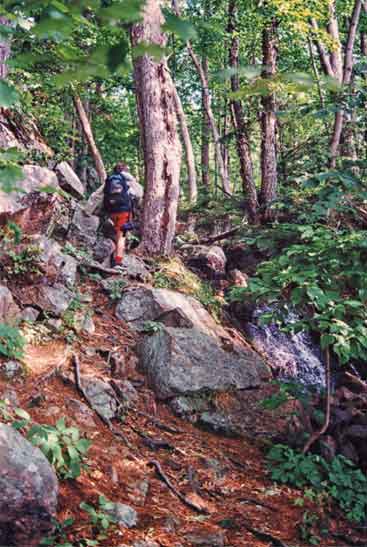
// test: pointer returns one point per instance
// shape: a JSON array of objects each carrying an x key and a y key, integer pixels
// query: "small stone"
[
  {"x": 10, "y": 396},
  {"x": 11, "y": 369},
  {"x": 138, "y": 492},
  {"x": 30, "y": 314},
  {"x": 82, "y": 414},
  {"x": 206, "y": 539},
  {"x": 124, "y": 514},
  {"x": 102, "y": 397}
]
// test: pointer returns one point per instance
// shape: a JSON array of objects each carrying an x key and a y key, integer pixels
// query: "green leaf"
[
  {"x": 8, "y": 94},
  {"x": 183, "y": 29}
]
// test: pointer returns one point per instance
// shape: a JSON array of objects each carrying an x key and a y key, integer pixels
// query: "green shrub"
[
  {"x": 340, "y": 479},
  {"x": 323, "y": 275},
  {"x": 62, "y": 446},
  {"x": 11, "y": 342}
]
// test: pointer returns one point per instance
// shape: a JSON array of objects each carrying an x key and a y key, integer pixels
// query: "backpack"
[{"x": 116, "y": 194}]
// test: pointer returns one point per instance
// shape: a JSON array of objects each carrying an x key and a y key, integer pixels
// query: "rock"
[
  {"x": 84, "y": 323},
  {"x": 127, "y": 392},
  {"x": 135, "y": 268},
  {"x": 103, "y": 251},
  {"x": 54, "y": 300},
  {"x": 30, "y": 314},
  {"x": 35, "y": 179},
  {"x": 181, "y": 361},
  {"x": 219, "y": 423},
  {"x": 82, "y": 414},
  {"x": 83, "y": 228},
  {"x": 102, "y": 397},
  {"x": 292, "y": 356},
  {"x": 9, "y": 311},
  {"x": 11, "y": 369},
  {"x": 238, "y": 278},
  {"x": 209, "y": 260},
  {"x": 69, "y": 180},
  {"x": 124, "y": 515},
  {"x": 138, "y": 492},
  {"x": 56, "y": 265},
  {"x": 205, "y": 539},
  {"x": 143, "y": 304},
  {"x": 28, "y": 491},
  {"x": 10, "y": 396},
  {"x": 55, "y": 324}
]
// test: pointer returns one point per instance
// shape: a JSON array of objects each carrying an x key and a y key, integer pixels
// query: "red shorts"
[{"x": 119, "y": 219}]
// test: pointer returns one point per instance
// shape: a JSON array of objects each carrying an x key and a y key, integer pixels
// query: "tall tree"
[
  {"x": 161, "y": 144},
  {"x": 205, "y": 132},
  {"x": 207, "y": 103},
  {"x": 269, "y": 175},
  {"x": 242, "y": 139},
  {"x": 189, "y": 151}
]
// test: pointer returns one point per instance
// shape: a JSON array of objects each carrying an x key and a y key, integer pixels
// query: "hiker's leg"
[{"x": 120, "y": 246}]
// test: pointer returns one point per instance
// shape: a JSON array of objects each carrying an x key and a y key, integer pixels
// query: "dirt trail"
[{"x": 226, "y": 477}]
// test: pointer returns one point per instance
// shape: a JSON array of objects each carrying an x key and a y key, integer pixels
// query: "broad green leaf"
[{"x": 8, "y": 95}]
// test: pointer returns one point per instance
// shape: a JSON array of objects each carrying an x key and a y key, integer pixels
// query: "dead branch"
[
  {"x": 356, "y": 381},
  {"x": 317, "y": 434},
  {"x": 165, "y": 479},
  {"x": 219, "y": 237}
]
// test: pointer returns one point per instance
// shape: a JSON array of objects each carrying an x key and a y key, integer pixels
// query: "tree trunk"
[
  {"x": 346, "y": 80},
  {"x": 190, "y": 158},
  {"x": 205, "y": 130},
  {"x": 269, "y": 176},
  {"x": 87, "y": 130},
  {"x": 4, "y": 50},
  {"x": 336, "y": 59},
  {"x": 242, "y": 140},
  {"x": 161, "y": 144},
  {"x": 207, "y": 102}
]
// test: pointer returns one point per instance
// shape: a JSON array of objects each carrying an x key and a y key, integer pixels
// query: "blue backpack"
[{"x": 116, "y": 194}]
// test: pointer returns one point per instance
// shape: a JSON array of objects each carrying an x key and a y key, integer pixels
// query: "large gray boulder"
[
  {"x": 169, "y": 307},
  {"x": 9, "y": 311},
  {"x": 210, "y": 260},
  {"x": 35, "y": 178},
  {"x": 83, "y": 228},
  {"x": 28, "y": 491},
  {"x": 54, "y": 263},
  {"x": 69, "y": 180},
  {"x": 54, "y": 299},
  {"x": 182, "y": 361}
]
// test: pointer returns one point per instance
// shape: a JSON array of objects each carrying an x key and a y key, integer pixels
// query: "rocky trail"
[{"x": 169, "y": 398}]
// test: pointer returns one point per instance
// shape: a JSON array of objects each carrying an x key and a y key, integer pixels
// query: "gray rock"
[
  {"x": 28, "y": 491},
  {"x": 55, "y": 324},
  {"x": 81, "y": 413},
  {"x": 127, "y": 392},
  {"x": 102, "y": 397},
  {"x": 189, "y": 361},
  {"x": 83, "y": 228},
  {"x": 30, "y": 314},
  {"x": 10, "y": 396},
  {"x": 103, "y": 251},
  {"x": 143, "y": 304},
  {"x": 205, "y": 539},
  {"x": 35, "y": 178},
  {"x": 9, "y": 311},
  {"x": 145, "y": 544},
  {"x": 210, "y": 260},
  {"x": 124, "y": 515},
  {"x": 54, "y": 263},
  {"x": 84, "y": 323},
  {"x": 54, "y": 300},
  {"x": 69, "y": 180},
  {"x": 11, "y": 369},
  {"x": 219, "y": 423},
  {"x": 135, "y": 268}
]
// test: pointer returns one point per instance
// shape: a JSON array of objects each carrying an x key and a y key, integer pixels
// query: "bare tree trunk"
[
  {"x": 336, "y": 59},
  {"x": 207, "y": 101},
  {"x": 242, "y": 140},
  {"x": 190, "y": 158},
  {"x": 205, "y": 144},
  {"x": 4, "y": 50},
  {"x": 346, "y": 80},
  {"x": 162, "y": 148},
  {"x": 269, "y": 175},
  {"x": 87, "y": 130}
]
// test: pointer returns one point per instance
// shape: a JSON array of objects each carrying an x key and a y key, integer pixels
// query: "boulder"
[
  {"x": 69, "y": 180},
  {"x": 83, "y": 228},
  {"x": 28, "y": 491},
  {"x": 9, "y": 311},
  {"x": 181, "y": 361},
  {"x": 102, "y": 397},
  {"x": 55, "y": 264},
  {"x": 135, "y": 268},
  {"x": 30, "y": 314},
  {"x": 209, "y": 260},
  {"x": 124, "y": 515},
  {"x": 170, "y": 307},
  {"x": 54, "y": 300},
  {"x": 103, "y": 251}
]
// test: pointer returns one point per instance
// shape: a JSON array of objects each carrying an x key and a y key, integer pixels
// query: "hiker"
[{"x": 118, "y": 203}]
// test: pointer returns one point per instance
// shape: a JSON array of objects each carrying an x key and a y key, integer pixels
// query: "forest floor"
[{"x": 226, "y": 478}]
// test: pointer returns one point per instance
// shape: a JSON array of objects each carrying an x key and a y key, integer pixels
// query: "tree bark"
[
  {"x": 336, "y": 58},
  {"x": 346, "y": 80},
  {"x": 205, "y": 130},
  {"x": 207, "y": 102},
  {"x": 4, "y": 50},
  {"x": 88, "y": 133},
  {"x": 190, "y": 158},
  {"x": 161, "y": 144},
  {"x": 242, "y": 140},
  {"x": 269, "y": 175}
]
